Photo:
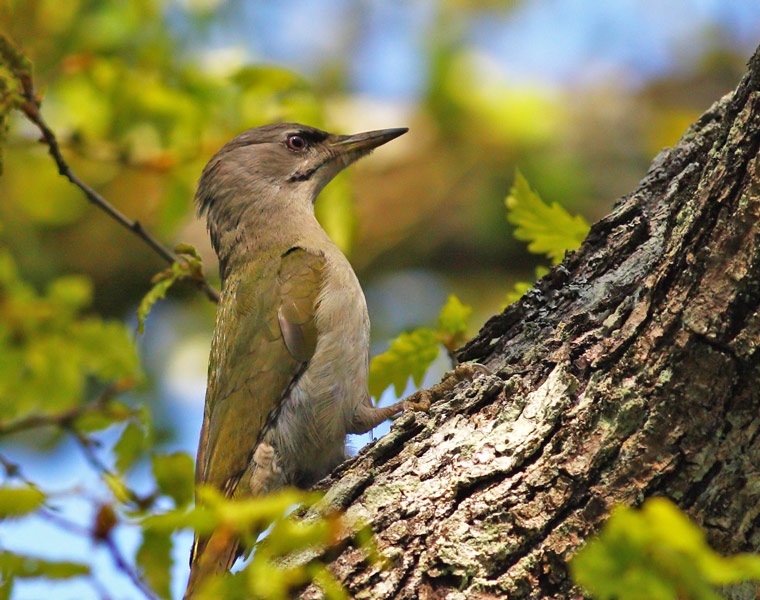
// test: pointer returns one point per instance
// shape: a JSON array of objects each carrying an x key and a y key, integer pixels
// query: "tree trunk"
[{"x": 630, "y": 371}]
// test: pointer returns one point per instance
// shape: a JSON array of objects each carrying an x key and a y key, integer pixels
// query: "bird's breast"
[{"x": 312, "y": 426}]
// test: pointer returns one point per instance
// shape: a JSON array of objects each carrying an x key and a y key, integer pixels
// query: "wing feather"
[{"x": 265, "y": 333}]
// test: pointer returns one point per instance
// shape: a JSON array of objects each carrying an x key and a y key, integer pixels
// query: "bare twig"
[
  {"x": 64, "y": 523},
  {"x": 45, "y": 512},
  {"x": 86, "y": 444},
  {"x": 127, "y": 569},
  {"x": 31, "y": 108},
  {"x": 12, "y": 470},
  {"x": 99, "y": 588}
]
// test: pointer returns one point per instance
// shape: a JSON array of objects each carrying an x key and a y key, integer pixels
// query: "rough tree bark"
[{"x": 630, "y": 371}]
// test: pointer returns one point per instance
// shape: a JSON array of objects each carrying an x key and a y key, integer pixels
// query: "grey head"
[{"x": 269, "y": 174}]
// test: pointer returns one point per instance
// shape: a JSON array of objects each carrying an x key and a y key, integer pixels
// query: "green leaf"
[
  {"x": 189, "y": 266},
  {"x": 155, "y": 561},
  {"x": 156, "y": 293},
  {"x": 129, "y": 447},
  {"x": 118, "y": 488},
  {"x": 189, "y": 249},
  {"x": 17, "y": 565},
  {"x": 409, "y": 355},
  {"x": 548, "y": 229},
  {"x": 174, "y": 475},
  {"x": 106, "y": 348},
  {"x": 251, "y": 513},
  {"x": 452, "y": 322},
  {"x": 199, "y": 519},
  {"x": 656, "y": 552},
  {"x": 19, "y": 501}
]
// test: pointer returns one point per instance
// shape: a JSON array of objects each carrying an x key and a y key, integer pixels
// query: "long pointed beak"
[{"x": 362, "y": 143}]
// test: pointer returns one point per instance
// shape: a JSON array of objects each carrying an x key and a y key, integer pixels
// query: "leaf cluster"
[
  {"x": 119, "y": 109},
  {"x": 656, "y": 553},
  {"x": 272, "y": 572},
  {"x": 124, "y": 96},
  {"x": 51, "y": 350},
  {"x": 13, "y": 66}
]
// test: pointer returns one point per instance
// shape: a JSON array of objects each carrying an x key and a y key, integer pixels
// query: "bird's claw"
[{"x": 421, "y": 400}]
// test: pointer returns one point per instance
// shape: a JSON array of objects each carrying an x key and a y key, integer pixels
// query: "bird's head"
[{"x": 275, "y": 168}]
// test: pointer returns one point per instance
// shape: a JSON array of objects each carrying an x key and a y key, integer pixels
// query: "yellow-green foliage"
[
  {"x": 50, "y": 349},
  {"x": 23, "y": 566},
  {"x": 189, "y": 266},
  {"x": 548, "y": 228},
  {"x": 124, "y": 98},
  {"x": 19, "y": 501},
  {"x": 411, "y": 353},
  {"x": 267, "y": 576},
  {"x": 658, "y": 554},
  {"x": 13, "y": 64}
]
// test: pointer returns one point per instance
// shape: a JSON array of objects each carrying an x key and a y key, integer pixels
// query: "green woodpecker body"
[{"x": 290, "y": 353}]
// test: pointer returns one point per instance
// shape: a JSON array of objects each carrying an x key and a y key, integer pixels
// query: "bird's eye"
[{"x": 296, "y": 142}]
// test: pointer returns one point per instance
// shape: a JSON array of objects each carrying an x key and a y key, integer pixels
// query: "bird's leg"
[
  {"x": 367, "y": 417},
  {"x": 263, "y": 468}
]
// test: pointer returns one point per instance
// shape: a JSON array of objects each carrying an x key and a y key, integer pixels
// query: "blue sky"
[{"x": 562, "y": 42}]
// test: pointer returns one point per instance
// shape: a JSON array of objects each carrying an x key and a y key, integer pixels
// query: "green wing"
[{"x": 265, "y": 334}]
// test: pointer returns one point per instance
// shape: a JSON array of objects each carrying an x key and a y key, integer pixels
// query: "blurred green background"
[
  {"x": 580, "y": 95},
  {"x": 141, "y": 93}
]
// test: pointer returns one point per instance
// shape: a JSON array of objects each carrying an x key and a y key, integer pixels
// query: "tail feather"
[{"x": 213, "y": 555}]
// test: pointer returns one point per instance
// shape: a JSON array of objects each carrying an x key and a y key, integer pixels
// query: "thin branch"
[
  {"x": 31, "y": 108},
  {"x": 63, "y": 523},
  {"x": 45, "y": 512},
  {"x": 86, "y": 444},
  {"x": 121, "y": 563},
  {"x": 100, "y": 588},
  {"x": 13, "y": 470},
  {"x": 63, "y": 419},
  {"x": 127, "y": 569}
]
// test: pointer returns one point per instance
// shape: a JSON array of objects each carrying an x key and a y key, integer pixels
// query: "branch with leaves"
[
  {"x": 54, "y": 353},
  {"x": 29, "y": 102}
]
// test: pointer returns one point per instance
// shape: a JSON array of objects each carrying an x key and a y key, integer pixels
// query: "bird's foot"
[
  {"x": 368, "y": 416},
  {"x": 423, "y": 399}
]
